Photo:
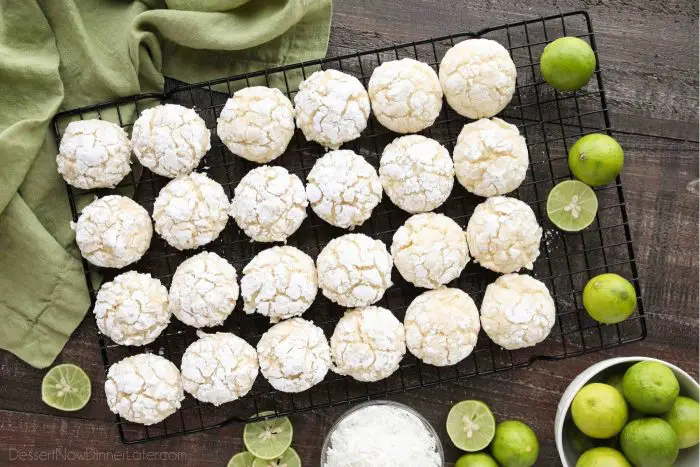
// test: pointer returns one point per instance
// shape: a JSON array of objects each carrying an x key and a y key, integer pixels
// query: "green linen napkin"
[{"x": 57, "y": 55}]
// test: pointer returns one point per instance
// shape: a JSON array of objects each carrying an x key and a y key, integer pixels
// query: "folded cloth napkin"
[{"x": 57, "y": 55}]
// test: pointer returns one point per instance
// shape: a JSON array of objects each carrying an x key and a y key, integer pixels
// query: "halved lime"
[
  {"x": 242, "y": 459},
  {"x": 268, "y": 439},
  {"x": 66, "y": 387},
  {"x": 572, "y": 205},
  {"x": 289, "y": 458},
  {"x": 471, "y": 425}
]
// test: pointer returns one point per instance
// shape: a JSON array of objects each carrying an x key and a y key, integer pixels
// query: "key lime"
[
  {"x": 471, "y": 425},
  {"x": 649, "y": 442},
  {"x": 683, "y": 418},
  {"x": 476, "y": 459},
  {"x": 66, "y": 387},
  {"x": 602, "y": 457},
  {"x": 242, "y": 459},
  {"x": 582, "y": 443},
  {"x": 596, "y": 159},
  {"x": 289, "y": 458},
  {"x": 609, "y": 298},
  {"x": 567, "y": 63},
  {"x": 650, "y": 387},
  {"x": 515, "y": 445},
  {"x": 599, "y": 411},
  {"x": 268, "y": 439},
  {"x": 615, "y": 380},
  {"x": 572, "y": 205}
]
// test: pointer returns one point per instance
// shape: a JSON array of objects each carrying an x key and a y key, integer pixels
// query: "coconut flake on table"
[{"x": 382, "y": 436}]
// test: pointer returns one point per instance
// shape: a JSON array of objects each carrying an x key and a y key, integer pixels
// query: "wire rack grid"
[{"x": 549, "y": 120}]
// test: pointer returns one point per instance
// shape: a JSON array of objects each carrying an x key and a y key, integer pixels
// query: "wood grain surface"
[{"x": 649, "y": 53}]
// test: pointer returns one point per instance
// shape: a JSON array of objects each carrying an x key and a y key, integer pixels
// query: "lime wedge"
[
  {"x": 242, "y": 459},
  {"x": 471, "y": 425},
  {"x": 289, "y": 458},
  {"x": 66, "y": 387},
  {"x": 268, "y": 439},
  {"x": 572, "y": 206}
]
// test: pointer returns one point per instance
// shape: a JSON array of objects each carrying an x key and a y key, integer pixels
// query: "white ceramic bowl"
[{"x": 599, "y": 373}]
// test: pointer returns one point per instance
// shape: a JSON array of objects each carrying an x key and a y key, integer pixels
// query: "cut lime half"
[
  {"x": 572, "y": 206},
  {"x": 268, "y": 439},
  {"x": 471, "y": 425},
  {"x": 242, "y": 459},
  {"x": 66, "y": 387},
  {"x": 289, "y": 458}
]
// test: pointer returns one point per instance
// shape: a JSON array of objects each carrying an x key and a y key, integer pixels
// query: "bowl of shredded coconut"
[{"x": 382, "y": 434}]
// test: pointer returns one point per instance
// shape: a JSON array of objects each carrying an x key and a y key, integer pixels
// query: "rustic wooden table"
[{"x": 649, "y": 52}]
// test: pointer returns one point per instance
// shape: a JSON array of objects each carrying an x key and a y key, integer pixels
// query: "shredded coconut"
[{"x": 382, "y": 436}]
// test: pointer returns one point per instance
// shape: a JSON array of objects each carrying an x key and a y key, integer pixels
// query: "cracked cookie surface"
[
  {"x": 517, "y": 311},
  {"x": 442, "y": 326},
  {"x": 279, "y": 283},
  {"x": 405, "y": 94},
  {"x": 477, "y": 78},
  {"x": 294, "y": 355},
  {"x": 257, "y": 123},
  {"x": 219, "y": 368},
  {"x": 343, "y": 189},
  {"x": 331, "y": 108},
  {"x": 417, "y": 173},
  {"x": 368, "y": 344},
  {"x": 503, "y": 235},
  {"x": 94, "y": 154},
  {"x": 354, "y": 270},
  {"x": 430, "y": 250},
  {"x": 490, "y": 157},
  {"x": 190, "y": 211},
  {"x": 144, "y": 388},
  {"x": 132, "y": 309},
  {"x": 204, "y": 290},
  {"x": 113, "y": 231},
  {"x": 170, "y": 140}
]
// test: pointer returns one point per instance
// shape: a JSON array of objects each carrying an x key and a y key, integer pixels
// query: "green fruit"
[
  {"x": 649, "y": 442},
  {"x": 582, "y": 443},
  {"x": 572, "y": 206},
  {"x": 515, "y": 444},
  {"x": 596, "y": 159},
  {"x": 609, "y": 298},
  {"x": 471, "y": 425},
  {"x": 66, "y": 387},
  {"x": 616, "y": 382},
  {"x": 289, "y": 458},
  {"x": 476, "y": 459},
  {"x": 683, "y": 418},
  {"x": 599, "y": 411},
  {"x": 268, "y": 439},
  {"x": 650, "y": 387},
  {"x": 567, "y": 63},
  {"x": 602, "y": 457},
  {"x": 242, "y": 459}
]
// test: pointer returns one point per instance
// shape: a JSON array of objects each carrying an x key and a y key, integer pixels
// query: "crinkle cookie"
[
  {"x": 94, "y": 154},
  {"x": 257, "y": 123},
  {"x": 331, "y": 108}
]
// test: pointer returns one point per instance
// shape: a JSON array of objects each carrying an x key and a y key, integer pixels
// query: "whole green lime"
[
  {"x": 476, "y": 459},
  {"x": 599, "y": 411},
  {"x": 596, "y": 159},
  {"x": 683, "y": 418},
  {"x": 567, "y": 63},
  {"x": 650, "y": 387},
  {"x": 609, "y": 298},
  {"x": 615, "y": 380},
  {"x": 602, "y": 457},
  {"x": 649, "y": 442},
  {"x": 515, "y": 444}
]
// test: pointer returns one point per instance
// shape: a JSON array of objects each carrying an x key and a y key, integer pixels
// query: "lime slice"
[
  {"x": 268, "y": 439},
  {"x": 289, "y": 458},
  {"x": 66, "y": 387},
  {"x": 242, "y": 459},
  {"x": 471, "y": 425},
  {"x": 572, "y": 205}
]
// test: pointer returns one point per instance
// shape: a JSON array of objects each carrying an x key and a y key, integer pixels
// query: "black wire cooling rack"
[{"x": 549, "y": 120}]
